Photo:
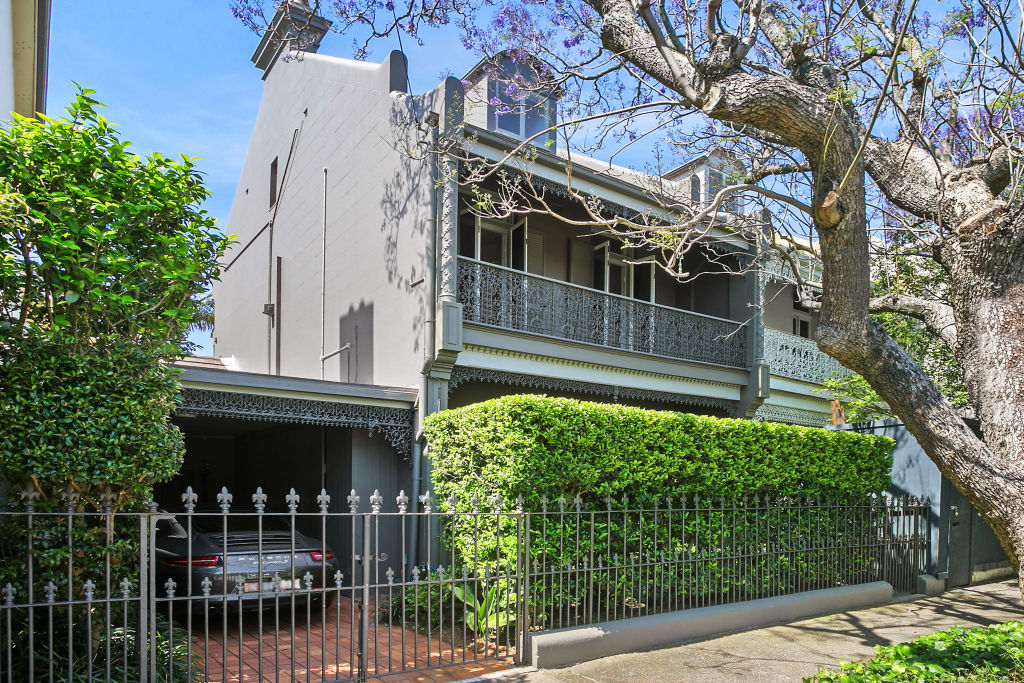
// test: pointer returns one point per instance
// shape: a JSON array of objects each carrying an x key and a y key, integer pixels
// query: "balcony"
[
  {"x": 513, "y": 300},
  {"x": 799, "y": 358}
]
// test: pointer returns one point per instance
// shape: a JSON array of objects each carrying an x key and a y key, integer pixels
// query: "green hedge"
[
  {"x": 534, "y": 446},
  {"x": 992, "y": 653},
  {"x": 543, "y": 449}
]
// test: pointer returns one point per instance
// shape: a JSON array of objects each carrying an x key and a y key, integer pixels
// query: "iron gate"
[{"x": 243, "y": 591}]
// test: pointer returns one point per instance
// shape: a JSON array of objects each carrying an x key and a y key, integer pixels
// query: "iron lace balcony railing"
[
  {"x": 798, "y": 358},
  {"x": 513, "y": 300}
]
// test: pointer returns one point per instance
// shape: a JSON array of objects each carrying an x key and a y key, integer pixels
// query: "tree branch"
[{"x": 936, "y": 315}]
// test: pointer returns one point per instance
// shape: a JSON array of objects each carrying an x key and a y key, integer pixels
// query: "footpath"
[{"x": 792, "y": 651}]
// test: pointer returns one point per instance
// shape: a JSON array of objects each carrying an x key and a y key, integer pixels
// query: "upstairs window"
[
  {"x": 521, "y": 118},
  {"x": 732, "y": 202},
  {"x": 695, "y": 189},
  {"x": 520, "y": 114}
]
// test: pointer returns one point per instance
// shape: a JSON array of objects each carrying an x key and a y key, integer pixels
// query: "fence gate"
[{"x": 248, "y": 591}]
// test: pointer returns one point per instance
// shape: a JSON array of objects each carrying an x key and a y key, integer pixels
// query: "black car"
[{"x": 256, "y": 557}]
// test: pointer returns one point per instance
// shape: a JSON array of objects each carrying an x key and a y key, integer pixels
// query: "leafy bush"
[
  {"x": 992, "y": 653},
  {"x": 481, "y": 606},
  {"x": 86, "y": 420},
  {"x": 120, "y": 651},
  {"x": 535, "y": 446},
  {"x": 97, "y": 242},
  {"x": 748, "y": 524},
  {"x": 103, "y": 257}
]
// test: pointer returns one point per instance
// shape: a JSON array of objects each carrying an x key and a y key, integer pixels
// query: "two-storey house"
[{"x": 362, "y": 259}]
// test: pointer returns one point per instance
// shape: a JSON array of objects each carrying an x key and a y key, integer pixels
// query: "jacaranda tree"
[{"x": 856, "y": 119}]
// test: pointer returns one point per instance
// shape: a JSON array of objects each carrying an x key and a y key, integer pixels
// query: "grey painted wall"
[
  {"x": 375, "y": 465},
  {"x": 353, "y": 119},
  {"x": 778, "y": 308},
  {"x": 961, "y": 542}
]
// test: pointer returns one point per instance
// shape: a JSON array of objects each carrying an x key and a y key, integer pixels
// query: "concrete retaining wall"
[{"x": 565, "y": 647}]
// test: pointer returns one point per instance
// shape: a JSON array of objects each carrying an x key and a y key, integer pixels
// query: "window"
[
  {"x": 717, "y": 181},
  {"x": 695, "y": 189},
  {"x": 733, "y": 203},
  {"x": 493, "y": 241},
  {"x": 614, "y": 274},
  {"x": 802, "y": 325},
  {"x": 273, "y": 182},
  {"x": 520, "y": 115}
]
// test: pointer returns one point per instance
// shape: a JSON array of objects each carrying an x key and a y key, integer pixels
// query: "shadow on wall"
[
  {"x": 356, "y": 328},
  {"x": 406, "y": 203}
]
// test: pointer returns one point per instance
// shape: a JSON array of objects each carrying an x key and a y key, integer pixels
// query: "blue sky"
[{"x": 176, "y": 78}]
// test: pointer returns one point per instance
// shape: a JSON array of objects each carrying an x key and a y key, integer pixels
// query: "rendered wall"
[
  {"x": 353, "y": 119},
  {"x": 778, "y": 309}
]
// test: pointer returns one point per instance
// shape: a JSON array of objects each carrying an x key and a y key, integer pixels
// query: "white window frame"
[
  {"x": 654, "y": 271},
  {"x": 798, "y": 317},
  {"x": 533, "y": 103},
  {"x": 620, "y": 260}
]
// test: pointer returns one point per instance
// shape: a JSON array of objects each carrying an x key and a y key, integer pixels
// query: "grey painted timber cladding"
[{"x": 565, "y": 647}]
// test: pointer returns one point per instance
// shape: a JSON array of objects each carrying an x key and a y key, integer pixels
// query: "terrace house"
[{"x": 360, "y": 259}]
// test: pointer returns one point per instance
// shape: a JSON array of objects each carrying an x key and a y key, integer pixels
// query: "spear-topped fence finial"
[
  {"x": 189, "y": 498},
  {"x": 224, "y": 498},
  {"x": 259, "y": 499},
  {"x": 293, "y": 501}
]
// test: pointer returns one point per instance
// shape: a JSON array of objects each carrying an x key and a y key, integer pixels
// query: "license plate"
[{"x": 268, "y": 586}]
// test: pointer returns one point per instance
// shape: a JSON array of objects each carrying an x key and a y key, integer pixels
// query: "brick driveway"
[{"x": 311, "y": 652}]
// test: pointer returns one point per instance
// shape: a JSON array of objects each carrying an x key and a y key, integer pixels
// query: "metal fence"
[{"x": 256, "y": 592}]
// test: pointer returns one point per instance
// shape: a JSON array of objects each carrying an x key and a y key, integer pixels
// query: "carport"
[{"x": 245, "y": 430}]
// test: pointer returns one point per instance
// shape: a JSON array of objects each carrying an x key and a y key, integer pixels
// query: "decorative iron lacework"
[
  {"x": 775, "y": 268},
  {"x": 799, "y": 358},
  {"x": 461, "y": 375},
  {"x": 514, "y": 300},
  {"x": 601, "y": 205},
  {"x": 395, "y": 424},
  {"x": 808, "y": 418}
]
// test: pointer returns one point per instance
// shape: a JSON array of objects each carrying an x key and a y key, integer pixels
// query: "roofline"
[
  {"x": 504, "y": 53},
  {"x": 555, "y": 162},
  {"x": 317, "y": 389}
]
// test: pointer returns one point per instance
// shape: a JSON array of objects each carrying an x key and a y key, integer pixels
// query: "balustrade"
[{"x": 514, "y": 300}]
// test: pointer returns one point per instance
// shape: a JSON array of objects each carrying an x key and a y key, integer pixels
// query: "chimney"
[{"x": 294, "y": 28}]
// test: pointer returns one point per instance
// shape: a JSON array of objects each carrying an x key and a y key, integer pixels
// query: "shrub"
[
  {"x": 86, "y": 420},
  {"x": 746, "y": 485},
  {"x": 535, "y": 446},
  {"x": 103, "y": 257},
  {"x": 992, "y": 653}
]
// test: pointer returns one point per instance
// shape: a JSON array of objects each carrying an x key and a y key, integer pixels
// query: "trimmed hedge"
[
  {"x": 535, "y": 446},
  {"x": 550, "y": 448}
]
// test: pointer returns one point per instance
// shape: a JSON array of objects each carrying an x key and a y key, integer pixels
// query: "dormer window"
[
  {"x": 521, "y": 119},
  {"x": 521, "y": 115}
]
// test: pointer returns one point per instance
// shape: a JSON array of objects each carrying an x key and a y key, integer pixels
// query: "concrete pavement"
[{"x": 793, "y": 651}]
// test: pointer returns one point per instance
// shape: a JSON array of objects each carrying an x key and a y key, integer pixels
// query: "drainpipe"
[{"x": 430, "y": 344}]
